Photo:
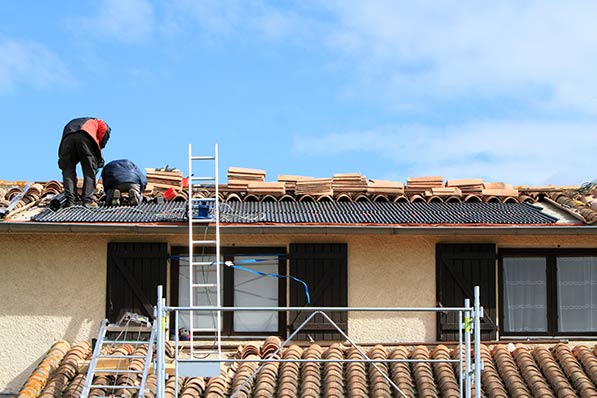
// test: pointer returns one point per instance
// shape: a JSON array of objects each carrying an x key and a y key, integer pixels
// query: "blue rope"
[{"x": 232, "y": 265}]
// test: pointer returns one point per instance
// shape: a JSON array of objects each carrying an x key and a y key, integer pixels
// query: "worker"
[
  {"x": 82, "y": 142},
  {"x": 120, "y": 176}
]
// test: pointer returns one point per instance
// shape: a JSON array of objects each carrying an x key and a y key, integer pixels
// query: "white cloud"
[
  {"x": 516, "y": 152},
  {"x": 128, "y": 21},
  {"x": 29, "y": 63},
  {"x": 543, "y": 52}
]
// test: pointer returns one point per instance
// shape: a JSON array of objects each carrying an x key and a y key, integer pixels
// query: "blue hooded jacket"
[{"x": 122, "y": 171}]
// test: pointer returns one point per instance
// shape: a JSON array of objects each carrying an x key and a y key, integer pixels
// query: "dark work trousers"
[{"x": 78, "y": 148}]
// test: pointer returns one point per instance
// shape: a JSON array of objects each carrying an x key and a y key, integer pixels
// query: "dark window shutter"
[
  {"x": 459, "y": 268},
  {"x": 323, "y": 268},
  {"x": 134, "y": 272}
]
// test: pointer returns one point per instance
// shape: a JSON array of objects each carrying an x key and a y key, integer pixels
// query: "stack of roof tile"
[
  {"x": 290, "y": 181},
  {"x": 385, "y": 187},
  {"x": 499, "y": 189},
  {"x": 239, "y": 178},
  {"x": 467, "y": 185},
  {"x": 349, "y": 182},
  {"x": 266, "y": 188},
  {"x": 419, "y": 185},
  {"x": 314, "y": 186},
  {"x": 160, "y": 180}
]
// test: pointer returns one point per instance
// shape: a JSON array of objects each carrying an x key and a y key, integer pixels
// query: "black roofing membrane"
[{"x": 313, "y": 212}]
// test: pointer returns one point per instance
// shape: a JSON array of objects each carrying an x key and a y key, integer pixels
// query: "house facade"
[{"x": 64, "y": 271}]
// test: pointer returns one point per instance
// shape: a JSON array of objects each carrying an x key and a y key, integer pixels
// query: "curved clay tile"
[
  {"x": 310, "y": 372},
  {"x": 400, "y": 199},
  {"x": 361, "y": 197},
  {"x": 216, "y": 386},
  {"x": 265, "y": 381},
  {"x": 472, "y": 199},
  {"x": 444, "y": 373},
  {"x": 288, "y": 380},
  {"x": 232, "y": 197},
  {"x": 39, "y": 377},
  {"x": 491, "y": 199},
  {"x": 2, "y": 193},
  {"x": 269, "y": 198},
  {"x": 490, "y": 378},
  {"x": 75, "y": 388},
  {"x": 333, "y": 372},
  {"x": 509, "y": 373},
  {"x": 400, "y": 372},
  {"x": 12, "y": 192},
  {"x": 510, "y": 199},
  {"x": 453, "y": 199},
  {"x": 525, "y": 199},
  {"x": 574, "y": 371},
  {"x": 270, "y": 345},
  {"x": 531, "y": 372},
  {"x": 343, "y": 197},
  {"x": 251, "y": 198},
  {"x": 380, "y": 198},
  {"x": 416, "y": 198},
  {"x": 244, "y": 373},
  {"x": 306, "y": 198},
  {"x": 435, "y": 199},
  {"x": 379, "y": 385},
  {"x": 287, "y": 198},
  {"x": 325, "y": 198},
  {"x": 356, "y": 375},
  {"x": 423, "y": 373},
  {"x": 588, "y": 361},
  {"x": 554, "y": 375}
]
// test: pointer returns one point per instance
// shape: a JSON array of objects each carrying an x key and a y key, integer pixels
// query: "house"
[{"x": 353, "y": 241}]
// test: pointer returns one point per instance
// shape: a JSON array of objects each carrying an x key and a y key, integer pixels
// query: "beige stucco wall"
[{"x": 53, "y": 285}]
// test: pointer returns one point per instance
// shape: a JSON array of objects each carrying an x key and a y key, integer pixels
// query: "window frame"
[
  {"x": 550, "y": 256},
  {"x": 228, "y": 254}
]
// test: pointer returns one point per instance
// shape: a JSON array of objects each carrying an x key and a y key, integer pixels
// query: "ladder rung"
[
  {"x": 203, "y": 158},
  {"x": 193, "y": 263},
  {"x": 203, "y": 330},
  {"x": 203, "y": 199},
  {"x": 115, "y": 387},
  {"x": 202, "y": 178},
  {"x": 121, "y": 356},
  {"x": 201, "y": 352},
  {"x": 115, "y": 342},
  {"x": 205, "y": 242},
  {"x": 204, "y": 285},
  {"x": 123, "y": 371}
]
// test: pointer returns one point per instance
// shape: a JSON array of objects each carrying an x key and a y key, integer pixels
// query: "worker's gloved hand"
[{"x": 100, "y": 163}]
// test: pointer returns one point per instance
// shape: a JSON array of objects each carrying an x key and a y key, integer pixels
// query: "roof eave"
[{"x": 329, "y": 229}]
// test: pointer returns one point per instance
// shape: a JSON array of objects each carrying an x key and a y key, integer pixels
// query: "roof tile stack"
[
  {"x": 419, "y": 185},
  {"x": 314, "y": 186},
  {"x": 499, "y": 189},
  {"x": 467, "y": 185},
  {"x": 290, "y": 181},
  {"x": 266, "y": 188},
  {"x": 385, "y": 187},
  {"x": 239, "y": 178},
  {"x": 160, "y": 180},
  {"x": 349, "y": 182}
]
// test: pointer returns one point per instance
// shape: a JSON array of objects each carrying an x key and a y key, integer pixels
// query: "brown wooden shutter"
[
  {"x": 323, "y": 268},
  {"x": 134, "y": 272},
  {"x": 459, "y": 268}
]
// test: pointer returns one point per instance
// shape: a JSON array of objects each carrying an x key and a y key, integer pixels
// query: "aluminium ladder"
[
  {"x": 119, "y": 360},
  {"x": 204, "y": 215}
]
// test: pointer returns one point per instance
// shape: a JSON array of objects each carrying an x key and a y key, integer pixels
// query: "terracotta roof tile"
[{"x": 559, "y": 371}]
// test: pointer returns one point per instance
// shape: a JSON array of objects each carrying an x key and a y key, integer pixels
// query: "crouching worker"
[
  {"x": 121, "y": 176},
  {"x": 82, "y": 142}
]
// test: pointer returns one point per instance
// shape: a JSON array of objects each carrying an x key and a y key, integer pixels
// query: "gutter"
[{"x": 355, "y": 229}]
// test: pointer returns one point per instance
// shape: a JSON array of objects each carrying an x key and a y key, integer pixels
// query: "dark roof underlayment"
[{"x": 314, "y": 213}]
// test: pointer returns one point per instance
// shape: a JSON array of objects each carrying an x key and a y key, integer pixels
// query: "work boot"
[
  {"x": 133, "y": 198},
  {"x": 116, "y": 198},
  {"x": 91, "y": 205}
]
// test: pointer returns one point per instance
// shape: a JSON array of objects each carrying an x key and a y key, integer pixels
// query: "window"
[
  {"x": 549, "y": 292},
  {"x": 240, "y": 286}
]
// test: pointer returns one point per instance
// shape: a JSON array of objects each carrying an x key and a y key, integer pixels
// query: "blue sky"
[{"x": 504, "y": 91}]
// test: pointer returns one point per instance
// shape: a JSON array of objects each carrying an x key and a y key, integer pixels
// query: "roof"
[
  {"x": 521, "y": 370},
  {"x": 344, "y": 199}
]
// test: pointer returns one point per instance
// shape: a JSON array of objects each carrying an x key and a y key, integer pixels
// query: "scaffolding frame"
[{"x": 469, "y": 319}]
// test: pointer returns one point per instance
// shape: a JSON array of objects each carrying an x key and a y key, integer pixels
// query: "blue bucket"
[{"x": 202, "y": 211}]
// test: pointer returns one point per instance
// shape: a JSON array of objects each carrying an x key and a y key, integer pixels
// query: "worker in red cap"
[{"x": 82, "y": 142}]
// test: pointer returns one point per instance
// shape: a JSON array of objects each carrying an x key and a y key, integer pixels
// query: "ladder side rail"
[
  {"x": 96, "y": 353},
  {"x": 218, "y": 262},
  {"x": 148, "y": 358},
  {"x": 191, "y": 254}
]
